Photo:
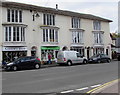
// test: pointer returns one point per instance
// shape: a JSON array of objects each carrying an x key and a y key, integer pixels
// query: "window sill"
[
  {"x": 77, "y": 44},
  {"x": 14, "y": 44}
]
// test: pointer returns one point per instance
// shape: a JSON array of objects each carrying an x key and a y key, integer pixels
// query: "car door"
[
  {"x": 79, "y": 58},
  {"x": 32, "y": 61},
  {"x": 28, "y": 63},
  {"x": 103, "y": 58},
  {"x": 23, "y": 63}
]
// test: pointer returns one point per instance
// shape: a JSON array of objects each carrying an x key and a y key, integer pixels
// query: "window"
[
  {"x": 14, "y": 33},
  {"x": 98, "y": 38},
  {"x": 78, "y": 49},
  {"x": 14, "y": 15},
  {"x": 98, "y": 51},
  {"x": 75, "y": 23},
  {"x": 50, "y": 35},
  {"x": 8, "y": 15},
  {"x": 97, "y": 25},
  {"x": 48, "y": 19},
  {"x": 77, "y": 36}
]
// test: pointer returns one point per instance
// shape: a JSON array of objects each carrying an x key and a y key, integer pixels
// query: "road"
[{"x": 60, "y": 79}]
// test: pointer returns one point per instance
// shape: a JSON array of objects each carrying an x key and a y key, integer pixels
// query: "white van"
[{"x": 70, "y": 57}]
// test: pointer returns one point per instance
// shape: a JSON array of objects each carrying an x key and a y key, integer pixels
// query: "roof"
[{"x": 52, "y": 10}]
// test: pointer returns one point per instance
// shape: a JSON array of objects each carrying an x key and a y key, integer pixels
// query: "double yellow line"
[{"x": 106, "y": 84}]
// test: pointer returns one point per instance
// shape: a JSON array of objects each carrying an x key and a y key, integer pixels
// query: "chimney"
[{"x": 56, "y": 6}]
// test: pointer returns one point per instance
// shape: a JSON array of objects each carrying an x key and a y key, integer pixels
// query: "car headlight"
[
  {"x": 9, "y": 64},
  {"x": 94, "y": 58}
]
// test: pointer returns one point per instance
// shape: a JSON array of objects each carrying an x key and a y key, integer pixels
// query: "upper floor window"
[
  {"x": 48, "y": 19},
  {"x": 14, "y": 33},
  {"x": 77, "y": 36},
  {"x": 14, "y": 15},
  {"x": 98, "y": 38},
  {"x": 75, "y": 23},
  {"x": 97, "y": 25},
  {"x": 50, "y": 35}
]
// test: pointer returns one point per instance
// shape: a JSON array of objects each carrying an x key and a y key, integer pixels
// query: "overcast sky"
[{"x": 103, "y": 8}]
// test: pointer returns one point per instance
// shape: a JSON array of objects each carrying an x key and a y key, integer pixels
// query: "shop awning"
[{"x": 50, "y": 48}]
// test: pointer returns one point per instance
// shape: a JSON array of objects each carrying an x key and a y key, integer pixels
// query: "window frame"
[
  {"x": 14, "y": 15},
  {"x": 14, "y": 34}
]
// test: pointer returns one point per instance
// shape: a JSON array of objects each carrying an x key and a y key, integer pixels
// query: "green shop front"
[{"x": 53, "y": 50}]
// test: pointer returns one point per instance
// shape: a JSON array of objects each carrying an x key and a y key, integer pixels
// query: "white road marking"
[
  {"x": 67, "y": 91},
  {"x": 82, "y": 89},
  {"x": 95, "y": 86}
]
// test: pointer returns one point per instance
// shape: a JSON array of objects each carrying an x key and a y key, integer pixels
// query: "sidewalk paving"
[{"x": 110, "y": 88}]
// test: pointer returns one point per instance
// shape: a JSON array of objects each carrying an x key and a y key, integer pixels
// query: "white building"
[{"x": 34, "y": 30}]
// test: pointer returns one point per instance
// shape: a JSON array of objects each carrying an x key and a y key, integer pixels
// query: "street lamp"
[{"x": 35, "y": 14}]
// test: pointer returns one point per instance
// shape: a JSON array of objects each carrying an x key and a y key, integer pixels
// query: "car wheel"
[
  {"x": 108, "y": 60},
  {"x": 69, "y": 63},
  {"x": 85, "y": 62},
  {"x": 37, "y": 66},
  {"x": 14, "y": 68}
]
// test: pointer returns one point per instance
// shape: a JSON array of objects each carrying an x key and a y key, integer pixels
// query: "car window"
[
  {"x": 32, "y": 58},
  {"x": 79, "y": 55},
  {"x": 23, "y": 59}
]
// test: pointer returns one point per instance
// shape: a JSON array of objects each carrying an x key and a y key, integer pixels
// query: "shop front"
[
  {"x": 45, "y": 50},
  {"x": 9, "y": 54},
  {"x": 98, "y": 50},
  {"x": 78, "y": 49}
]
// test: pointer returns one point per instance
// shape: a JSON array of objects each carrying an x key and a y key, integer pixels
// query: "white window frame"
[
  {"x": 47, "y": 18},
  {"x": 96, "y": 25},
  {"x": 53, "y": 38},
  {"x": 98, "y": 38},
  {"x": 75, "y": 22},
  {"x": 75, "y": 38},
  {"x": 21, "y": 35},
  {"x": 13, "y": 19}
]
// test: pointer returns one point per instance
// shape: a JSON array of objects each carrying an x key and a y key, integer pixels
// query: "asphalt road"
[{"x": 60, "y": 79}]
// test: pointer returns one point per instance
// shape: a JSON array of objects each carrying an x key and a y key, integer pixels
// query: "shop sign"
[
  {"x": 14, "y": 48},
  {"x": 50, "y": 48}
]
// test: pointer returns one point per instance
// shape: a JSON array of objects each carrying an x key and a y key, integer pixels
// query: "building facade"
[{"x": 28, "y": 30}]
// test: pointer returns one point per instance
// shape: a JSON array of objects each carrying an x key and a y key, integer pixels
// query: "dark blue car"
[
  {"x": 24, "y": 63},
  {"x": 99, "y": 58}
]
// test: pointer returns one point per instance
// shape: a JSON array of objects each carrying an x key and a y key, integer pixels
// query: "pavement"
[{"x": 110, "y": 88}]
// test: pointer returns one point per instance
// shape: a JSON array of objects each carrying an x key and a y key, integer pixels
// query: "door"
[
  {"x": 79, "y": 58},
  {"x": 24, "y": 62},
  {"x": 88, "y": 53}
]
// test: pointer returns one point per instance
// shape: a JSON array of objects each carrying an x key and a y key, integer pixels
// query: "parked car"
[
  {"x": 24, "y": 63},
  {"x": 70, "y": 58},
  {"x": 118, "y": 56},
  {"x": 99, "y": 58}
]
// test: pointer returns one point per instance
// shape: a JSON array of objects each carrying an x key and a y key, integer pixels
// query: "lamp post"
[{"x": 34, "y": 14}]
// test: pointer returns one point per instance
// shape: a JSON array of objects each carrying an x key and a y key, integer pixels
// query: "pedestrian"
[
  {"x": 49, "y": 58},
  {"x": 3, "y": 63}
]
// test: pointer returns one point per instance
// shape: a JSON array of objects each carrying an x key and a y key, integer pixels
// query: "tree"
[{"x": 116, "y": 35}]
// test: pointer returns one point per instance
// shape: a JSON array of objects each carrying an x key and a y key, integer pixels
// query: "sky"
[{"x": 103, "y": 8}]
